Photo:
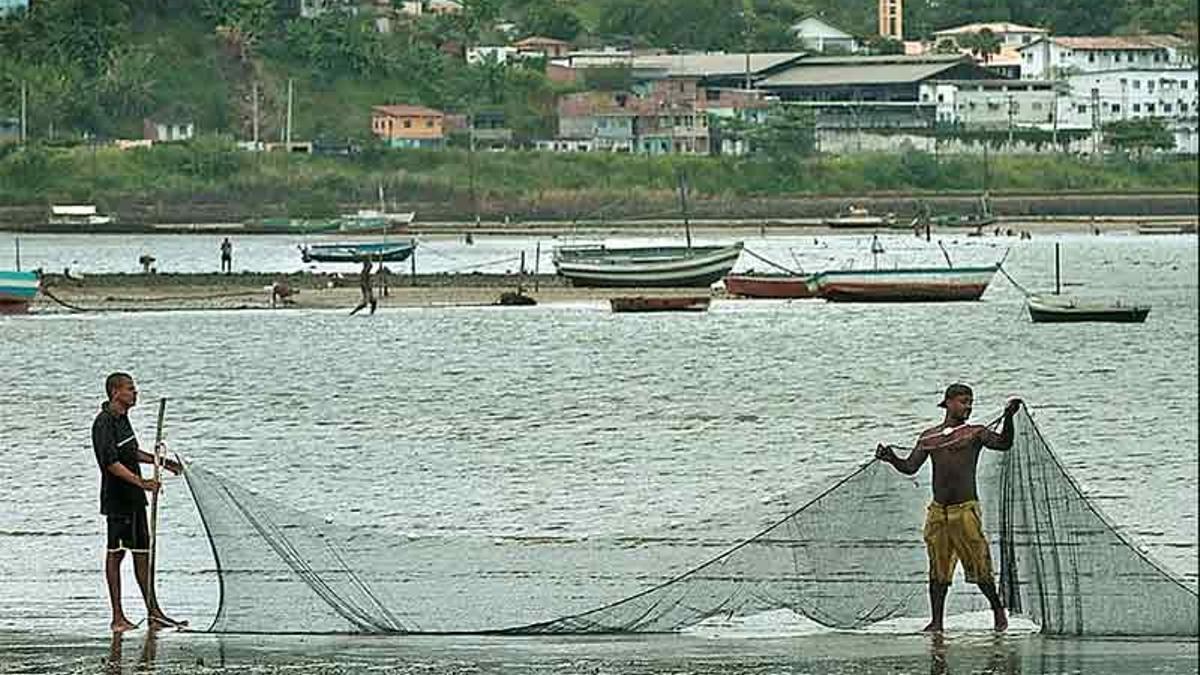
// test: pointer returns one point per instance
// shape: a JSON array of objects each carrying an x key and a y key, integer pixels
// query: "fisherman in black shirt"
[{"x": 123, "y": 499}]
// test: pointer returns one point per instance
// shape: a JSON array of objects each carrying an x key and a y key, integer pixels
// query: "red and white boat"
[
  {"x": 769, "y": 285},
  {"x": 914, "y": 284}
]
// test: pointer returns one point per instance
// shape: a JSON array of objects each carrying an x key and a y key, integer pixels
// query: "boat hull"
[
  {"x": 1069, "y": 312},
  {"x": 600, "y": 266},
  {"x": 353, "y": 253},
  {"x": 17, "y": 290},
  {"x": 697, "y": 303},
  {"x": 963, "y": 284},
  {"x": 768, "y": 286}
]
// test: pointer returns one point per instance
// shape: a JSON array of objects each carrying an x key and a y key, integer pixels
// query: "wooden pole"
[
  {"x": 1057, "y": 270},
  {"x": 537, "y": 259},
  {"x": 158, "y": 436}
]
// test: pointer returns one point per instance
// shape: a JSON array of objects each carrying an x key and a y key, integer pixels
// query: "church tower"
[{"x": 891, "y": 19}]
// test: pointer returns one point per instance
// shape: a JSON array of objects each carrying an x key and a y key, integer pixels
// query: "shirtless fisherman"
[{"x": 953, "y": 521}]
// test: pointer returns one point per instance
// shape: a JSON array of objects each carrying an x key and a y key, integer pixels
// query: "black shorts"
[{"x": 128, "y": 532}]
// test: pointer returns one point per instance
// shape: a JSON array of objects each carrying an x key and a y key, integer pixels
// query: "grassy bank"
[{"x": 452, "y": 183}]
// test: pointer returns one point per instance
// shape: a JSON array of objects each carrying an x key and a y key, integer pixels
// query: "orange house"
[{"x": 409, "y": 126}]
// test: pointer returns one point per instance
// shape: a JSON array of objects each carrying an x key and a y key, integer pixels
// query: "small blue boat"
[
  {"x": 17, "y": 290},
  {"x": 358, "y": 252}
]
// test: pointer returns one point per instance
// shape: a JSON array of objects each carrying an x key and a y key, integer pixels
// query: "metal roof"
[
  {"x": 713, "y": 64},
  {"x": 809, "y": 74}
]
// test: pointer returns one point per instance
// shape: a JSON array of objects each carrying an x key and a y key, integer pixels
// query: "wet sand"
[
  {"x": 160, "y": 292},
  {"x": 862, "y": 654}
]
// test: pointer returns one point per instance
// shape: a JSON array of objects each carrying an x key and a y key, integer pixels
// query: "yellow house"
[{"x": 408, "y": 126}]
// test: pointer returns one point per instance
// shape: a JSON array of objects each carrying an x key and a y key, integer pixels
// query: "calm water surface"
[{"x": 566, "y": 420}]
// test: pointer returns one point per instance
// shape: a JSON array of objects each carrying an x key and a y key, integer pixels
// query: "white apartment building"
[
  {"x": 995, "y": 104},
  {"x": 1059, "y": 57},
  {"x": 1010, "y": 34},
  {"x": 1097, "y": 98}
]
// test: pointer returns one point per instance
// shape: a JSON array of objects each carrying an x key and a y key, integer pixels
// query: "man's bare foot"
[
  {"x": 932, "y": 628},
  {"x": 160, "y": 620},
  {"x": 121, "y": 625},
  {"x": 1001, "y": 620}
]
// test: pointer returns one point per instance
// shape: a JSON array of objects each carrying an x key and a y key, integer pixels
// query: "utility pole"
[
  {"x": 254, "y": 122},
  {"x": 24, "y": 112},
  {"x": 1054, "y": 117},
  {"x": 287, "y": 138},
  {"x": 1011, "y": 113},
  {"x": 1095, "y": 122}
]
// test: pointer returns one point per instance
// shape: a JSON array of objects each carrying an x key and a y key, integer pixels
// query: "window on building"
[
  {"x": 1137, "y": 84},
  {"x": 1115, "y": 107},
  {"x": 1167, "y": 107},
  {"x": 1124, "y": 82},
  {"x": 1150, "y": 108},
  {"x": 1183, "y": 84},
  {"x": 1117, "y": 57},
  {"x": 1091, "y": 57},
  {"x": 407, "y": 124},
  {"x": 1025, "y": 39},
  {"x": 993, "y": 106},
  {"x": 1137, "y": 107},
  {"x": 1150, "y": 85},
  {"x": 1081, "y": 109},
  {"x": 429, "y": 124},
  {"x": 941, "y": 98}
]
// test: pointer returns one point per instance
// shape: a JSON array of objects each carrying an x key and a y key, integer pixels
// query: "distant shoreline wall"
[{"x": 141, "y": 216}]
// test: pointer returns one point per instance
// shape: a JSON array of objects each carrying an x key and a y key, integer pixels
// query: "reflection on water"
[{"x": 978, "y": 654}]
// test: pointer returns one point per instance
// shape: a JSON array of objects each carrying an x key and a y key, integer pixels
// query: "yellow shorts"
[{"x": 954, "y": 533}]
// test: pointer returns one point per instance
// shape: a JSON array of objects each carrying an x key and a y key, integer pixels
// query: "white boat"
[
  {"x": 77, "y": 214},
  {"x": 860, "y": 217},
  {"x": 633, "y": 267},
  {"x": 374, "y": 219}
]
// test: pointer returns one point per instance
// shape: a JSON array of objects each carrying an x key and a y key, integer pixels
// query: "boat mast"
[{"x": 683, "y": 187}]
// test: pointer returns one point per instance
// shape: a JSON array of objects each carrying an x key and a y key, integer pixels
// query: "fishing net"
[{"x": 845, "y": 558}]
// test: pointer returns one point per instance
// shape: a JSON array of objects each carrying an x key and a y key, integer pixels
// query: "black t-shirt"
[{"x": 113, "y": 441}]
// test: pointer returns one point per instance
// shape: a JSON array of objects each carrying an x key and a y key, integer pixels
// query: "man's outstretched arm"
[
  {"x": 1004, "y": 439},
  {"x": 909, "y": 465}
]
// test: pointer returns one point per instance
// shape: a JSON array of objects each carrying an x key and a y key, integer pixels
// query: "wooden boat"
[
  {"x": 358, "y": 252},
  {"x": 633, "y": 267},
  {"x": 769, "y": 285},
  {"x": 1057, "y": 309},
  {"x": 860, "y": 217},
  {"x": 913, "y": 284},
  {"x": 373, "y": 220},
  {"x": 641, "y": 303},
  {"x": 982, "y": 217},
  {"x": 17, "y": 290},
  {"x": 1167, "y": 229},
  {"x": 1046, "y": 308},
  {"x": 77, "y": 215}
]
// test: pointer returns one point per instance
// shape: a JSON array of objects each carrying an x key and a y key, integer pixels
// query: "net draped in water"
[{"x": 847, "y": 557}]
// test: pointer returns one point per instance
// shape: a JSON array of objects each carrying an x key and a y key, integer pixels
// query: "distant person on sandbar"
[
  {"x": 953, "y": 521},
  {"x": 364, "y": 285},
  {"x": 123, "y": 499},
  {"x": 227, "y": 256}
]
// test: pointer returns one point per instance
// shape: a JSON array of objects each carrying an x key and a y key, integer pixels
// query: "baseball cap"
[{"x": 954, "y": 390}]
